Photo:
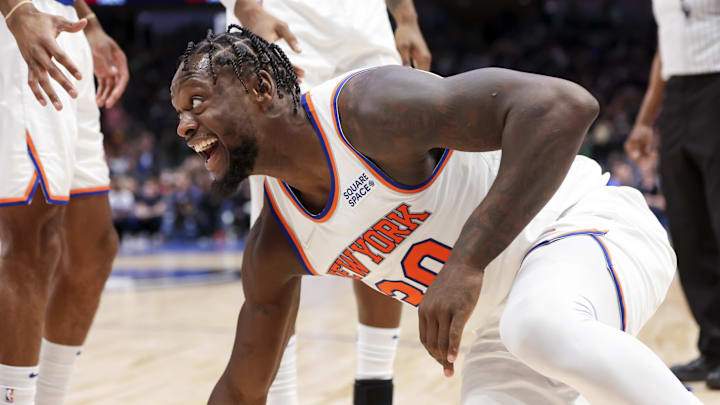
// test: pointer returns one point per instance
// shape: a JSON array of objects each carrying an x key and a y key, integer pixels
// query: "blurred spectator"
[
  {"x": 149, "y": 208},
  {"x": 122, "y": 203}
]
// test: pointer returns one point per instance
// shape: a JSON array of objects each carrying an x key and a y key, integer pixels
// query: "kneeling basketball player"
[{"x": 473, "y": 199}]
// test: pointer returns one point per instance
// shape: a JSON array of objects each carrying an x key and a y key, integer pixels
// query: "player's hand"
[
  {"x": 445, "y": 310},
  {"x": 259, "y": 21},
  {"x": 35, "y": 34},
  {"x": 639, "y": 144},
  {"x": 267, "y": 26},
  {"x": 412, "y": 47},
  {"x": 110, "y": 64}
]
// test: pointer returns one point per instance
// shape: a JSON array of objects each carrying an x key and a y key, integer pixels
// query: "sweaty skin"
[{"x": 397, "y": 117}]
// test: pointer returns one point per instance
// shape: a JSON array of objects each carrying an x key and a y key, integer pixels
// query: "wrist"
[
  {"x": 406, "y": 18},
  {"x": 642, "y": 124},
  {"x": 93, "y": 24},
  {"x": 246, "y": 10},
  {"x": 21, "y": 13},
  {"x": 403, "y": 11}
]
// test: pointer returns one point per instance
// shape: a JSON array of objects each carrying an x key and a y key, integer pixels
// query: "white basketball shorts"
[{"x": 59, "y": 151}]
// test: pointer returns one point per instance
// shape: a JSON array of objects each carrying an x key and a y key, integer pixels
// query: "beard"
[{"x": 241, "y": 161}]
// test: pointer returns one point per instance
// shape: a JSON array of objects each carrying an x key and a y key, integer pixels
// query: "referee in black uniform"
[{"x": 685, "y": 81}]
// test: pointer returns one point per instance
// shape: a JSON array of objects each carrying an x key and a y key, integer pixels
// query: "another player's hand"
[
  {"x": 639, "y": 145},
  {"x": 35, "y": 34},
  {"x": 273, "y": 29},
  {"x": 110, "y": 64},
  {"x": 412, "y": 47},
  {"x": 445, "y": 310},
  {"x": 267, "y": 26}
]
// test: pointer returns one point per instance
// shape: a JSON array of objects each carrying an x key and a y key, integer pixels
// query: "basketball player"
[
  {"x": 56, "y": 232},
  {"x": 394, "y": 176},
  {"x": 334, "y": 37}
]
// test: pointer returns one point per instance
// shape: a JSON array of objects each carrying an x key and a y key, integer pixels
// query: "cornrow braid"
[
  {"x": 190, "y": 47},
  {"x": 245, "y": 52}
]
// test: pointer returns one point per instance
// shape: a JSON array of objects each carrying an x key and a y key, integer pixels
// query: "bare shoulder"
[
  {"x": 396, "y": 108},
  {"x": 269, "y": 260}
]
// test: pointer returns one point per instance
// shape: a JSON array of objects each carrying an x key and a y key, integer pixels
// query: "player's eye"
[{"x": 196, "y": 101}]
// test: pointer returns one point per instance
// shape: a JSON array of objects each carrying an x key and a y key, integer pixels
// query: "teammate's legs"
[
  {"x": 75, "y": 294},
  {"x": 30, "y": 248},
  {"x": 563, "y": 319}
]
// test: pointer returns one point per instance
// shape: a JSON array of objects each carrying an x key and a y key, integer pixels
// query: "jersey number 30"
[{"x": 414, "y": 271}]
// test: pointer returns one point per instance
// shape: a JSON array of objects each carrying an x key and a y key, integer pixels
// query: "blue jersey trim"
[
  {"x": 29, "y": 197},
  {"x": 73, "y": 195},
  {"x": 285, "y": 231},
  {"x": 336, "y": 115},
  {"x": 595, "y": 234},
  {"x": 66, "y": 2},
  {"x": 324, "y": 143},
  {"x": 42, "y": 182}
]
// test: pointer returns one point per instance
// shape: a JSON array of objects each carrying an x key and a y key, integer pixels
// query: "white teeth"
[{"x": 204, "y": 145}]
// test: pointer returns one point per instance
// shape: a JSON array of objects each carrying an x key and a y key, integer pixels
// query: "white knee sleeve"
[{"x": 563, "y": 320}]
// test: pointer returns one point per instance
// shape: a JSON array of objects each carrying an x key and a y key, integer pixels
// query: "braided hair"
[{"x": 242, "y": 49}]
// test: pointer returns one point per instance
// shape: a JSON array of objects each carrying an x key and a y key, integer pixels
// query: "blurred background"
[{"x": 159, "y": 187}]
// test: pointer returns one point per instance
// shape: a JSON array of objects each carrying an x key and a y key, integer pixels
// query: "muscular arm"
[
  {"x": 539, "y": 123},
  {"x": 271, "y": 282}
]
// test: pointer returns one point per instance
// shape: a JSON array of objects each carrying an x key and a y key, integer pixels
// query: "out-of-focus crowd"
[{"x": 160, "y": 189}]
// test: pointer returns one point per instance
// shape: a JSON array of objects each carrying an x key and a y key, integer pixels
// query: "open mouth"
[{"x": 206, "y": 148}]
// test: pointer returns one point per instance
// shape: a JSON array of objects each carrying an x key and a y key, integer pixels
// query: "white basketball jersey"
[{"x": 393, "y": 237}]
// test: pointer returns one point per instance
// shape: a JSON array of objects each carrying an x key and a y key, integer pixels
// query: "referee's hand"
[
  {"x": 640, "y": 144},
  {"x": 35, "y": 33}
]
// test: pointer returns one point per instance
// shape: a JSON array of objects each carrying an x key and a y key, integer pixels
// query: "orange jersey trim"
[
  {"x": 89, "y": 190},
  {"x": 376, "y": 171},
  {"x": 25, "y": 197},
  {"x": 331, "y": 204},
  {"x": 43, "y": 179},
  {"x": 288, "y": 231}
]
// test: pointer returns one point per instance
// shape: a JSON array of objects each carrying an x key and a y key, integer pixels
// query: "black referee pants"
[{"x": 690, "y": 172}]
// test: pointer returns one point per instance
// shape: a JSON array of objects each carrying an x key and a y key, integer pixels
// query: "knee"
[
  {"x": 99, "y": 254},
  {"x": 542, "y": 337},
  {"x": 32, "y": 248},
  {"x": 109, "y": 243}
]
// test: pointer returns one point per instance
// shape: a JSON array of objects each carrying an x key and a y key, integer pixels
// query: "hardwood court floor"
[{"x": 169, "y": 345}]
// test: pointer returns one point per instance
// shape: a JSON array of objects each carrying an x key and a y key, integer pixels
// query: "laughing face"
[{"x": 215, "y": 121}]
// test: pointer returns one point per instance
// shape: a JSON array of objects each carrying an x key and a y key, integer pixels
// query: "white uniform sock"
[
  {"x": 17, "y": 385},
  {"x": 283, "y": 390},
  {"x": 376, "y": 348},
  {"x": 57, "y": 363}
]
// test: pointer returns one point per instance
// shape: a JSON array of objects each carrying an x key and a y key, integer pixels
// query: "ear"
[{"x": 263, "y": 89}]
